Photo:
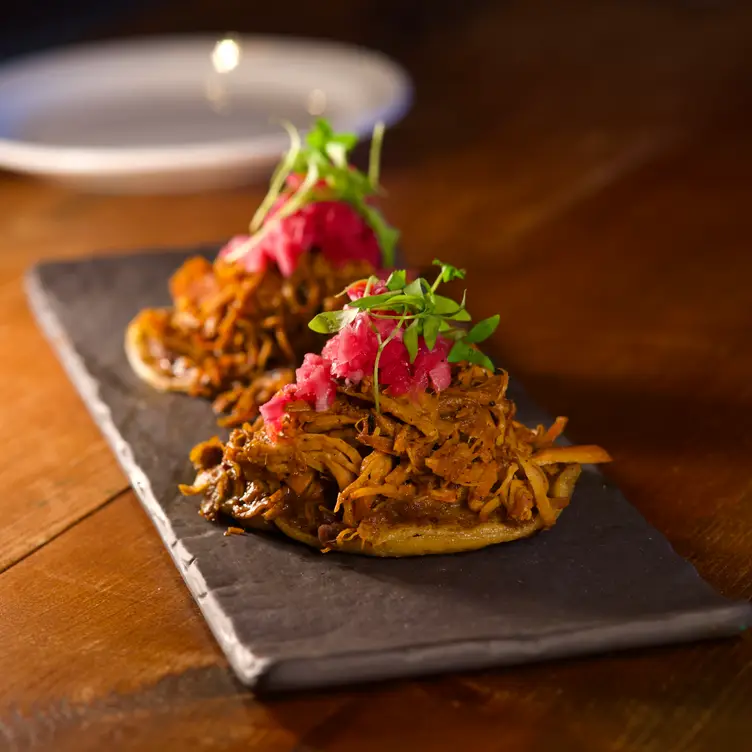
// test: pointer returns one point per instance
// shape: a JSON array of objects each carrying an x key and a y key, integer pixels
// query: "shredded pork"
[
  {"x": 234, "y": 336},
  {"x": 348, "y": 472}
]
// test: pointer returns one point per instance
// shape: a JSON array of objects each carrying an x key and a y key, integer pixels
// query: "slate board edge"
[
  {"x": 477, "y": 655},
  {"x": 244, "y": 662},
  {"x": 277, "y": 675}
]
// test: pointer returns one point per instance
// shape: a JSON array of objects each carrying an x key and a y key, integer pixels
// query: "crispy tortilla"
[
  {"x": 406, "y": 539},
  {"x": 445, "y": 473},
  {"x": 235, "y": 336},
  {"x": 139, "y": 349}
]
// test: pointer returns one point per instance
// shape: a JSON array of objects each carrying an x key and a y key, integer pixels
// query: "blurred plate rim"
[{"x": 71, "y": 161}]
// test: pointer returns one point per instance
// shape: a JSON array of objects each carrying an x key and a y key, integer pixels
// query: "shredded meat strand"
[
  {"x": 235, "y": 337},
  {"x": 457, "y": 457}
]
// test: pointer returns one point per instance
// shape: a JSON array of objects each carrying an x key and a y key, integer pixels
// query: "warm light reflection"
[
  {"x": 226, "y": 55},
  {"x": 217, "y": 95},
  {"x": 317, "y": 102}
]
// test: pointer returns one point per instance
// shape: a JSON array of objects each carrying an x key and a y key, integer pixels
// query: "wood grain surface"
[{"x": 590, "y": 164}]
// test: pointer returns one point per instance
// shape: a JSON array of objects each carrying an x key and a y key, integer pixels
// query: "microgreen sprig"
[
  {"x": 323, "y": 158},
  {"x": 422, "y": 312}
]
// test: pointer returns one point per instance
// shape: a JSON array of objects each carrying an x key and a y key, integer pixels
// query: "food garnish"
[
  {"x": 401, "y": 334},
  {"x": 390, "y": 447},
  {"x": 238, "y": 326},
  {"x": 318, "y": 199},
  {"x": 418, "y": 316}
]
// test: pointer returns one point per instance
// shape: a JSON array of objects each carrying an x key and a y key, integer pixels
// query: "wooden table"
[{"x": 591, "y": 167}]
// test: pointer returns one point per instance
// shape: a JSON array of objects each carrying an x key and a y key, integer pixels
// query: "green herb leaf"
[
  {"x": 483, "y": 329},
  {"x": 337, "y": 153},
  {"x": 416, "y": 310},
  {"x": 397, "y": 280},
  {"x": 390, "y": 301},
  {"x": 386, "y": 235},
  {"x": 348, "y": 140},
  {"x": 445, "y": 306},
  {"x": 370, "y": 282},
  {"x": 410, "y": 339},
  {"x": 332, "y": 321},
  {"x": 374, "y": 301},
  {"x": 431, "y": 325},
  {"x": 461, "y": 352},
  {"x": 449, "y": 272},
  {"x": 449, "y": 308},
  {"x": 374, "y": 158},
  {"x": 279, "y": 177},
  {"x": 324, "y": 156},
  {"x": 320, "y": 134},
  {"x": 336, "y": 147},
  {"x": 481, "y": 359},
  {"x": 415, "y": 288}
]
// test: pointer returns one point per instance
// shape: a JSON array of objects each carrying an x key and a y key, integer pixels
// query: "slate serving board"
[{"x": 288, "y": 617}]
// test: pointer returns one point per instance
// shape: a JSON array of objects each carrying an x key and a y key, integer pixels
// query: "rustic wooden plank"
[
  {"x": 631, "y": 314},
  {"x": 666, "y": 700},
  {"x": 530, "y": 158},
  {"x": 50, "y": 221},
  {"x": 560, "y": 104},
  {"x": 634, "y": 318},
  {"x": 546, "y": 123},
  {"x": 252, "y": 591},
  {"x": 105, "y": 594},
  {"x": 660, "y": 356},
  {"x": 102, "y": 608},
  {"x": 56, "y": 466},
  {"x": 532, "y": 108},
  {"x": 197, "y": 709},
  {"x": 688, "y": 699},
  {"x": 114, "y": 649},
  {"x": 640, "y": 329}
]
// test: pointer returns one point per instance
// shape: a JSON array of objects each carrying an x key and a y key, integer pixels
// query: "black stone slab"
[{"x": 288, "y": 617}]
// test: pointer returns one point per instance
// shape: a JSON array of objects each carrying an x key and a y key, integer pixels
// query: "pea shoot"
[
  {"x": 323, "y": 158},
  {"x": 421, "y": 312}
]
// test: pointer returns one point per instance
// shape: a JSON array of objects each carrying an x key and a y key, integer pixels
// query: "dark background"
[{"x": 31, "y": 25}]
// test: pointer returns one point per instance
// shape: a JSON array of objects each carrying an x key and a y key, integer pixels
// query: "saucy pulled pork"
[
  {"x": 348, "y": 477},
  {"x": 234, "y": 336}
]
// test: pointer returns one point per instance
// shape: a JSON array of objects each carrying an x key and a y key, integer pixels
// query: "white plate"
[{"x": 184, "y": 113}]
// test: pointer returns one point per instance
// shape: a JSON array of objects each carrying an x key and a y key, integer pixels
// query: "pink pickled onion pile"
[
  {"x": 351, "y": 354},
  {"x": 333, "y": 227}
]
